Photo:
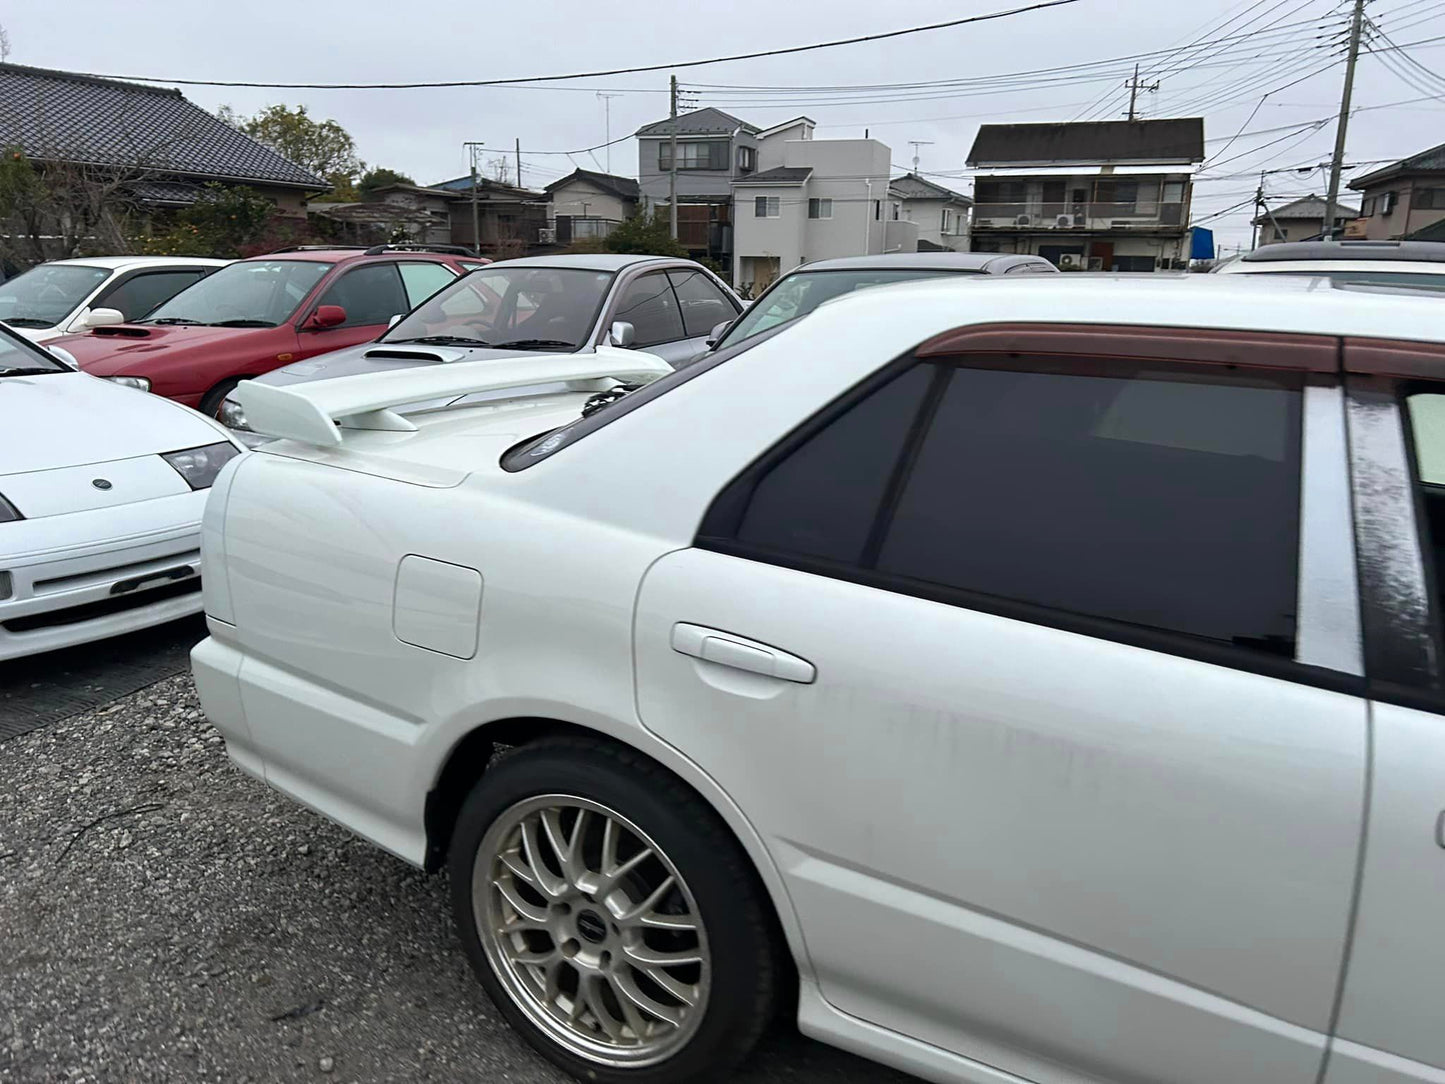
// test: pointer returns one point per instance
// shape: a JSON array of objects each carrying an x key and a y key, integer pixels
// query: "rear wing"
[{"x": 317, "y": 412}]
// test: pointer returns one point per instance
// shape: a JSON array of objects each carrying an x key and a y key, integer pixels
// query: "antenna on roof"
[{"x": 915, "y": 144}]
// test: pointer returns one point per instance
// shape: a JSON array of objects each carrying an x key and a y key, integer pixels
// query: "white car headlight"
[
  {"x": 232, "y": 416},
  {"x": 8, "y": 511},
  {"x": 199, "y": 466},
  {"x": 138, "y": 382}
]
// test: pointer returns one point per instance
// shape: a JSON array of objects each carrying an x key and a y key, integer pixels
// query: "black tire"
[
  {"x": 740, "y": 932},
  {"x": 212, "y": 400}
]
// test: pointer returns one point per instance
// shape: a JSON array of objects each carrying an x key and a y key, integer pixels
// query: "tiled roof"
[
  {"x": 912, "y": 186},
  {"x": 487, "y": 189},
  {"x": 1431, "y": 161},
  {"x": 621, "y": 187},
  {"x": 1178, "y": 139},
  {"x": 779, "y": 175},
  {"x": 65, "y": 117},
  {"x": 707, "y": 121},
  {"x": 1306, "y": 208}
]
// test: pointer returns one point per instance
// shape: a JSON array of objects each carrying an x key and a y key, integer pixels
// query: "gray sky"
[{"x": 420, "y": 131}]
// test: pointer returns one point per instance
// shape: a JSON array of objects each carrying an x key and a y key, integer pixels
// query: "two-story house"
[
  {"x": 511, "y": 220},
  {"x": 1403, "y": 198},
  {"x": 1300, "y": 220},
  {"x": 941, "y": 214},
  {"x": 1096, "y": 195},
  {"x": 588, "y": 206},
  {"x": 713, "y": 150},
  {"x": 813, "y": 199}
]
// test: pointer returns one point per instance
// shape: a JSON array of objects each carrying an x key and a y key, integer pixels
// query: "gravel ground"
[{"x": 163, "y": 917}]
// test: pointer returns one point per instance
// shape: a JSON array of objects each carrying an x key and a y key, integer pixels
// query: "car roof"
[
  {"x": 1391, "y": 251},
  {"x": 115, "y": 262},
  {"x": 920, "y": 261},
  {"x": 591, "y": 261},
  {"x": 1297, "y": 304}
]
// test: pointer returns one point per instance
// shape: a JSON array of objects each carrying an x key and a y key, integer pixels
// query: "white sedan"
[
  {"x": 1026, "y": 680},
  {"x": 101, "y": 492},
  {"x": 64, "y": 297}
]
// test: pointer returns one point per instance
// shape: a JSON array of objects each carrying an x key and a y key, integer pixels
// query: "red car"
[{"x": 259, "y": 314}]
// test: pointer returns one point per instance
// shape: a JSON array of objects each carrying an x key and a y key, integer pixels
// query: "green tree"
[
  {"x": 321, "y": 146},
  {"x": 379, "y": 177},
  {"x": 223, "y": 222},
  {"x": 644, "y": 235}
]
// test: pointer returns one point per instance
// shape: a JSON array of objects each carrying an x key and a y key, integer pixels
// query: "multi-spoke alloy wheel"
[
  {"x": 612, "y": 917},
  {"x": 592, "y": 930}
]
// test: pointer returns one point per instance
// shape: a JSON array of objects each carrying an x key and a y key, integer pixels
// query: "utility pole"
[
  {"x": 1337, "y": 161},
  {"x": 519, "y": 162},
  {"x": 915, "y": 144},
  {"x": 475, "y": 149},
  {"x": 672, "y": 153},
  {"x": 606, "y": 98},
  {"x": 1134, "y": 88}
]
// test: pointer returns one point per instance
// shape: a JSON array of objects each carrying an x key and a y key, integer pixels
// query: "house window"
[
  {"x": 1387, "y": 203},
  {"x": 896, "y": 211},
  {"x": 1367, "y": 208},
  {"x": 1002, "y": 191},
  {"x": 709, "y": 155},
  {"x": 1429, "y": 199},
  {"x": 877, "y": 210},
  {"x": 1173, "y": 192},
  {"x": 767, "y": 206},
  {"x": 947, "y": 224},
  {"x": 747, "y": 159},
  {"x": 820, "y": 208}
]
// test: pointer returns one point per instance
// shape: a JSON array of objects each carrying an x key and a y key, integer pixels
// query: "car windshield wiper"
[
  {"x": 535, "y": 344},
  {"x": 176, "y": 320},
  {"x": 241, "y": 323},
  {"x": 33, "y": 370},
  {"x": 441, "y": 340},
  {"x": 27, "y": 321}
]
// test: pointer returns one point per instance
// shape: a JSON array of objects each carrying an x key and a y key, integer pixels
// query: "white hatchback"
[
  {"x": 64, "y": 297},
  {"x": 1047, "y": 676},
  {"x": 101, "y": 491}
]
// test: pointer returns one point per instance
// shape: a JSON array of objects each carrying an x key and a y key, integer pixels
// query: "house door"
[{"x": 1102, "y": 250}]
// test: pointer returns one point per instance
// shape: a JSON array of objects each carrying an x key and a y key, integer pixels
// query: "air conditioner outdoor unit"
[
  {"x": 1064, "y": 220},
  {"x": 1096, "y": 263},
  {"x": 1022, "y": 220},
  {"x": 546, "y": 236},
  {"x": 1068, "y": 261}
]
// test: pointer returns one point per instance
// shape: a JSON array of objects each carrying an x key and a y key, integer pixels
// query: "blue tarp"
[{"x": 1201, "y": 243}]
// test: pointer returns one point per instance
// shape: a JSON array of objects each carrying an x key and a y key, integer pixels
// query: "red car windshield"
[{"x": 250, "y": 293}]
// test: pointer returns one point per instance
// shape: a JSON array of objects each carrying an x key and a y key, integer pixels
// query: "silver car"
[{"x": 550, "y": 304}]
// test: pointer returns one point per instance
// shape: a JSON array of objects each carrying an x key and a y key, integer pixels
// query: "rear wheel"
[
  {"x": 212, "y": 400},
  {"x": 610, "y": 916}
]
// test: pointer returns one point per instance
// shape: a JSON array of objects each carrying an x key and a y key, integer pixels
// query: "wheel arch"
[{"x": 467, "y": 761}]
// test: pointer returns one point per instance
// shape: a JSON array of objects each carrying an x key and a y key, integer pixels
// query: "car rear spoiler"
[{"x": 316, "y": 413}]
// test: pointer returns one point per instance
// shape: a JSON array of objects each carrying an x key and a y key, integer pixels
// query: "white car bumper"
[{"x": 89, "y": 575}]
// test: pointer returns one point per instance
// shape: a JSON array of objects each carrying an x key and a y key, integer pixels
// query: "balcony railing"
[{"x": 1077, "y": 216}]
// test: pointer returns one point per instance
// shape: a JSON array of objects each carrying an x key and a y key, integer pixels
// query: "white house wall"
[
  {"x": 780, "y": 237},
  {"x": 581, "y": 200}
]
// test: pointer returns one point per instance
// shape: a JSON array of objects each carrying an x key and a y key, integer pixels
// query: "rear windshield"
[
  {"x": 545, "y": 445},
  {"x": 249, "y": 293},
  {"x": 46, "y": 295},
  {"x": 803, "y": 291}
]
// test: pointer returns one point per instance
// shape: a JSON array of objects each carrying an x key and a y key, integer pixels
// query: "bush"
[
  {"x": 221, "y": 223},
  {"x": 644, "y": 235}
]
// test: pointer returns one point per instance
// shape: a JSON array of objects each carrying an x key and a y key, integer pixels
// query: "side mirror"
[
  {"x": 622, "y": 334},
  {"x": 396, "y": 319},
  {"x": 327, "y": 316},
  {"x": 718, "y": 331},
  {"x": 104, "y": 317}
]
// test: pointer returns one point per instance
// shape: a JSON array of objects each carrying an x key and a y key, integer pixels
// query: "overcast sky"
[{"x": 420, "y": 132}]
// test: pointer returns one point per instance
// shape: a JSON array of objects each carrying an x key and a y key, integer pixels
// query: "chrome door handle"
[{"x": 740, "y": 653}]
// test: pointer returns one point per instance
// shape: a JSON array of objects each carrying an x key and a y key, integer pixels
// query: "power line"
[{"x": 988, "y": 17}]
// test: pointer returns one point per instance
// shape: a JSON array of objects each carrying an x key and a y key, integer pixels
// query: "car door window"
[
  {"x": 703, "y": 303},
  {"x": 371, "y": 294},
  {"x": 650, "y": 306},
  {"x": 1165, "y": 498},
  {"x": 137, "y": 295},
  {"x": 421, "y": 280}
]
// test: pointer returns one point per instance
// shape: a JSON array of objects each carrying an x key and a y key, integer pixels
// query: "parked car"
[
  {"x": 1373, "y": 263},
  {"x": 1048, "y": 678},
  {"x": 68, "y": 296},
  {"x": 101, "y": 491},
  {"x": 261, "y": 313},
  {"x": 547, "y": 304},
  {"x": 807, "y": 286}
]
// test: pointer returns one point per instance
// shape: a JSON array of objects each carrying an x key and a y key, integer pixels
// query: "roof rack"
[
  {"x": 315, "y": 248},
  {"x": 414, "y": 246},
  {"x": 1419, "y": 251}
]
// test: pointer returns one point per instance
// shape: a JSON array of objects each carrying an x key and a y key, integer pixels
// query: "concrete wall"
[
  {"x": 771, "y": 148},
  {"x": 290, "y": 202},
  {"x": 927, "y": 214},
  {"x": 581, "y": 198},
  {"x": 781, "y": 237},
  {"x": 854, "y": 174}
]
